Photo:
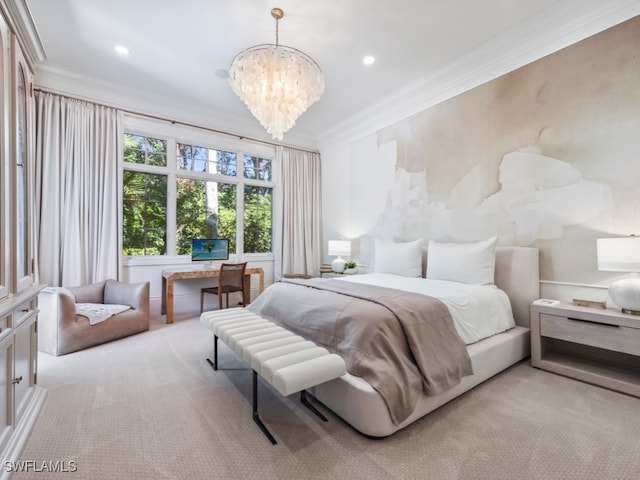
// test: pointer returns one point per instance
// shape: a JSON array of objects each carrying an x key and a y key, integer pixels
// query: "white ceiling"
[{"x": 180, "y": 50}]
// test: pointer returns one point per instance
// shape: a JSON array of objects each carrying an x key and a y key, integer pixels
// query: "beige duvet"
[{"x": 403, "y": 344}]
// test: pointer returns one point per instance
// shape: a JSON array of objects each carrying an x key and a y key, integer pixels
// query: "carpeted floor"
[{"x": 150, "y": 407}]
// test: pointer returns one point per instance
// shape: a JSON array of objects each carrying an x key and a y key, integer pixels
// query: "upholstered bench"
[{"x": 284, "y": 360}]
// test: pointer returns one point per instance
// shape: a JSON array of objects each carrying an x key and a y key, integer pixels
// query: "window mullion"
[
  {"x": 171, "y": 197},
  {"x": 240, "y": 206},
  {"x": 207, "y": 177}
]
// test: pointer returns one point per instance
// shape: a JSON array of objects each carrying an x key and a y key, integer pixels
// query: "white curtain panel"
[
  {"x": 300, "y": 207},
  {"x": 77, "y": 197}
]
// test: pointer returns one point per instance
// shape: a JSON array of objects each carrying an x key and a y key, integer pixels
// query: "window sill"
[{"x": 164, "y": 260}]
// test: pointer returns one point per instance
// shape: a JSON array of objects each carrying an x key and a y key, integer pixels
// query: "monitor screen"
[{"x": 209, "y": 249}]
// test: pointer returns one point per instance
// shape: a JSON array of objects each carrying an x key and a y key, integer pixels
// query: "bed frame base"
[{"x": 517, "y": 274}]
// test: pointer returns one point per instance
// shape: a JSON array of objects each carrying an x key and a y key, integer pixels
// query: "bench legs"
[
  {"x": 256, "y": 417},
  {"x": 214, "y": 364},
  {"x": 305, "y": 401}
]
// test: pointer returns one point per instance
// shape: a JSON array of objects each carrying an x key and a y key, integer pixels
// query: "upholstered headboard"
[{"x": 517, "y": 273}]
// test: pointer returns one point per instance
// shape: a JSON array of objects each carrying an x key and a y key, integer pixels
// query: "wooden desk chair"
[{"x": 231, "y": 279}]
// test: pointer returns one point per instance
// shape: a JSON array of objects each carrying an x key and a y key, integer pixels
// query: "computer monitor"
[{"x": 209, "y": 249}]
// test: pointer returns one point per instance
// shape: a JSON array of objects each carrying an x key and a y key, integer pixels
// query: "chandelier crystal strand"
[{"x": 277, "y": 83}]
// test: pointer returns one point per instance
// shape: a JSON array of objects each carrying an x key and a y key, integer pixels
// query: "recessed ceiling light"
[
  {"x": 368, "y": 60},
  {"x": 122, "y": 50}
]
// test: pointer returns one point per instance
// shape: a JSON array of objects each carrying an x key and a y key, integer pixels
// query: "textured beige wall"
[{"x": 547, "y": 155}]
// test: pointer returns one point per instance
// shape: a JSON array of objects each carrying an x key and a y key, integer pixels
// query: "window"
[
  {"x": 257, "y": 204},
  {"x": 201, "y": 159},
  {"x": 257, "y": 218},
  {"x": 205, "y": 210},
  {"x": 144, "y": 198},
  {"x": 211, "y": 198},
  {"x": 144, "y": 220},
  {"x": 257, "y": 168}
]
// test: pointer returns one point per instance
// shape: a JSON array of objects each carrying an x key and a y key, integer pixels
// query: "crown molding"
[
  {"x": 542, "y": 35},
  {"x": 64, "y": 82},
  {"x": 18, "y": 16}
]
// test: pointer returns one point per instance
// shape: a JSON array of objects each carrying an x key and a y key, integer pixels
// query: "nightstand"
[{"x": 596, "y": 346}]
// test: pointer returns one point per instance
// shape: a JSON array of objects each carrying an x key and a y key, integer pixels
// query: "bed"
[{"x": 361, "y": 397}]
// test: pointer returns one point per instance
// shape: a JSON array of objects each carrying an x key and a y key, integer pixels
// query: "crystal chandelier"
[{"x": 276, "y": 82}]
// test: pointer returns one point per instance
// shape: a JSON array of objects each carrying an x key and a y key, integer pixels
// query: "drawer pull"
[{"x": 581, "y": 320}]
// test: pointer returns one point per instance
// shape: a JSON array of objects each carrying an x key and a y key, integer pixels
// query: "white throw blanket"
[{"x": 99, "y": 312}]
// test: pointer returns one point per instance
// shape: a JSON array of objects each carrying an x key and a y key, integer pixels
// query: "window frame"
[{"x": 174, "y": 134}]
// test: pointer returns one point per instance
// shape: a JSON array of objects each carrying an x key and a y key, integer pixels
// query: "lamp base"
[
  {"x": 626, "y": 294},
  {"x": 338, "y": 265}
]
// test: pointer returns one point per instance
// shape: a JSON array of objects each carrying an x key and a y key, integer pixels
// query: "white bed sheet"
[{"x": 478, "y": 311}]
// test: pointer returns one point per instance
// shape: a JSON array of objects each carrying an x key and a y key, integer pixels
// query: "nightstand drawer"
[{"x": 610, "y": 337}]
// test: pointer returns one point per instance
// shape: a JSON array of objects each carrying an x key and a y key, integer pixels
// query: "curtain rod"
[{"x": 179, "y": 122}]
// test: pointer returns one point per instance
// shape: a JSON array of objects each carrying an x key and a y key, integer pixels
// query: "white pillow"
[
  {"x": 399, "y": 258},
  {"x": 472, "y": 263}
]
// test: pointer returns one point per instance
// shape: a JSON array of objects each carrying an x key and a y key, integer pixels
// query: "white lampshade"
[
  {"x": 619, "y": 254},
  {"x": 622, "y": 255},
  {"x": 339, "y": 248}
]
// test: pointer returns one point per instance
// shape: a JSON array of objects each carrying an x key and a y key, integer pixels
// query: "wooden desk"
[{"x": 170, "y": 275}]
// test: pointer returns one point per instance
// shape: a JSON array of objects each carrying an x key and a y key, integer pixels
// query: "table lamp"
[
  {"x": 338, "y": 248},
  {"x": 622, "y": 255}
]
